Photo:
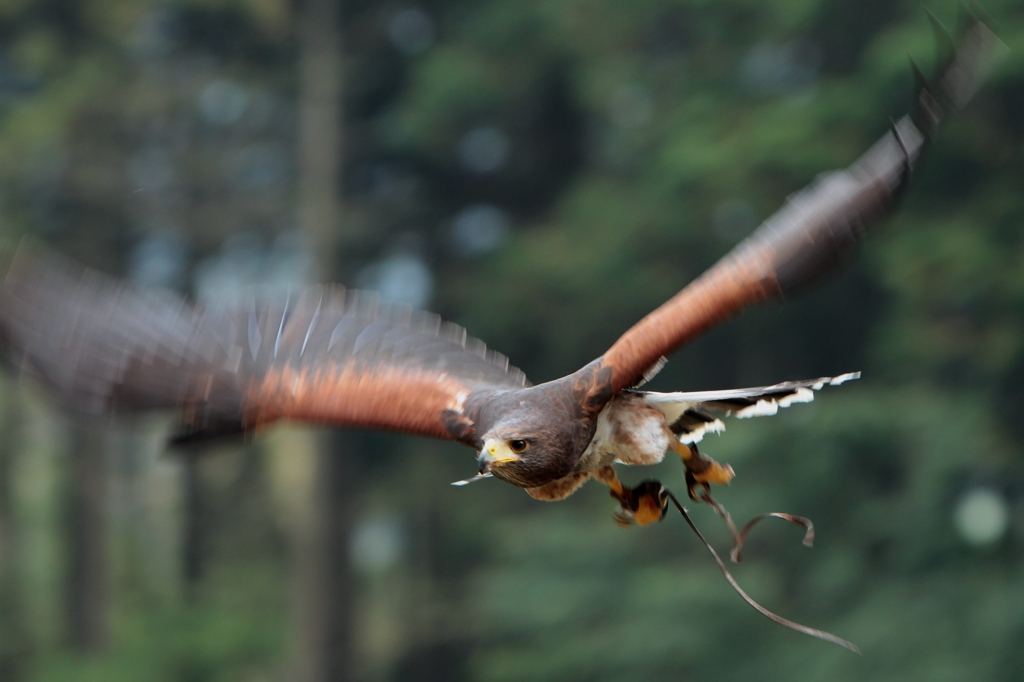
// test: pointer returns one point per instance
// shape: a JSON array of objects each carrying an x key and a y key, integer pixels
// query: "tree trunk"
[
  {"x": 323, "y": 587},
  {"x": 88, "y": 588},
  {"x": 13, "y": 637},
  {"x": 320, "y": 128},
  {"x": 323, "y": 582},
  {"x": 193, "y": 542}
]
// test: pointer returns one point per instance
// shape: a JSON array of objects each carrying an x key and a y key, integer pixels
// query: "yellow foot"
[
  {"x": 643, "y": 505},
  {"x": 650, "y": 506},
  {"x": 702, "y": 470},
  {"x": 716, "y": 473}
]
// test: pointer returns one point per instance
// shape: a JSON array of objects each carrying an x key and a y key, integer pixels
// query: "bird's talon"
[
  {"x": 716, "y": 473},
  {"x": 702, "y": 470},
  {"x": 691, "y": 487},
  {"x": 623, "y": 518},
  {"x": 643, "y": 505}
]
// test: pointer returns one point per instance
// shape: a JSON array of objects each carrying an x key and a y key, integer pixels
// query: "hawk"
[{"x": 327, "y": 355}]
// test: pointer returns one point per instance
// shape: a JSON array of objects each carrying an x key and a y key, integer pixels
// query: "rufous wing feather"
[
  {"x": 323, "y": 354},
  {"x": 816, "y": 226}
]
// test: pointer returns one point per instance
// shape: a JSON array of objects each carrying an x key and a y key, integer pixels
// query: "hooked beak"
[{"x": 495, "y": 452}]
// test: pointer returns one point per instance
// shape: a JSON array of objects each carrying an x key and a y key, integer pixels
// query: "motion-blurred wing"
[
  {"x": 815, "y": 227},
  {"x": 691, "y": 415},
  {"x": 323, "y": 355}
]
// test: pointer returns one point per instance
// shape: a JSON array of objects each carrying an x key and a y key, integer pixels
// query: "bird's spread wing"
[
  {"x": 322, "y": 354},
  {"x": 691, "y": 415},
  {"x": 814, "y": 228}
]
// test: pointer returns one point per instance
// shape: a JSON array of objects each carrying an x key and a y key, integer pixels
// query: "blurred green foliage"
[{"x": 630, "y": 145}]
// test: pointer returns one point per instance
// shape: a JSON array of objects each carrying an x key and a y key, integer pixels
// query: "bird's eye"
[{"x": 518, "y": 446}]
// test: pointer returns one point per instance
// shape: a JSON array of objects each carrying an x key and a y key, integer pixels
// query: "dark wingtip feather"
[{"x": 945, "y": 44}]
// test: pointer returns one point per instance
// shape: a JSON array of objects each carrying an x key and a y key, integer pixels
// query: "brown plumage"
[{"x": 331, "y": 356}]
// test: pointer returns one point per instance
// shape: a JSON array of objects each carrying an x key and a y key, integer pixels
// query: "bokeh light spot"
[
  {"x": 484, "y": 150},
  {"x": 411, "y": 31},
  {"x": 981, "y": 517},
  {"x": 780, "y": 69},
  {"x": 159, "y": 260},
  {"x": 479, "y": 229},
  {"x": 223, "y": 102},
  {"x": 377, "y": 543},
  {"x": 402, "y": 278},
  {"x": 631, "y": 106}
]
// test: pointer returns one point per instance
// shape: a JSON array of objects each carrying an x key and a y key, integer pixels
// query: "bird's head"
[
  {"x": 535, "y": 435},
  {"x": 521, "y": 451}
]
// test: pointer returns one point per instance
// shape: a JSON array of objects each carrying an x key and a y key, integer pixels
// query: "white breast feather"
[{"x": 629, "y": 432}]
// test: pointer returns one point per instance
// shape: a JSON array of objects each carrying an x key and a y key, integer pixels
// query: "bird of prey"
[{"x": 327, "y": 355}]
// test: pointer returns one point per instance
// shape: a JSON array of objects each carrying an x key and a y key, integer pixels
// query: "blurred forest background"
[{"x": 543, "y": 172}]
